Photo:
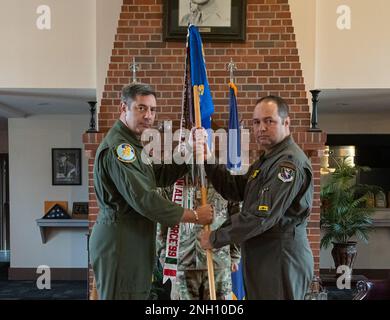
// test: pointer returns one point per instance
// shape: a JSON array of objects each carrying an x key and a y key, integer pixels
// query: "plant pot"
[{"x": 344, "y": 254}]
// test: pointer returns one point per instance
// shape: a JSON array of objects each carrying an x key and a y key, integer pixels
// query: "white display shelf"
[{"x": 46, "y": 224}]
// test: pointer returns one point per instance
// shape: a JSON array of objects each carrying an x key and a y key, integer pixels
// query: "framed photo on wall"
[
  {"x": 80, "y": 210},
  {"x": 217, "y": 20},
  {"x": 66, "y": 166}
]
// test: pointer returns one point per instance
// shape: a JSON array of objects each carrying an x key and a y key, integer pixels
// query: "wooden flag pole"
[
  {"x": 203, "y": 189},
  {"x": 94, "y": 294}
]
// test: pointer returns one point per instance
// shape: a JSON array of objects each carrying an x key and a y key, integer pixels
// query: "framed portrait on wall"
[
  {"x": 80, "y": 210},
  {"x": 217, "y": 20},
  {"x": 66, "y": 166}
]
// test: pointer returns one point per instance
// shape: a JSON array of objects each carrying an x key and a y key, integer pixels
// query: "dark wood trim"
[
  {"x": 4, "y": 202},
  {"x": 371, "y": 140},
  {"x": 56, "y": 274}
]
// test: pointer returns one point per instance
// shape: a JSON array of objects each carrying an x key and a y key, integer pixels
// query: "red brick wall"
[{"x": 267, "y": 63}]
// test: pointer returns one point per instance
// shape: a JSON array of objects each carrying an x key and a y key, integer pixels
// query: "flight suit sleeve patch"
[
  {"x": 286, "y": 172},
  {"x": 125, "y": 153}
]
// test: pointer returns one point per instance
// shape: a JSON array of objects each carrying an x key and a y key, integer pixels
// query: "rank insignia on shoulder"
[
  {"x": 255, "y": 173},
  {"x": 125, "y": 153},
  {"x": 263, "y": 208},
  {"x": 286, "y": 174}
]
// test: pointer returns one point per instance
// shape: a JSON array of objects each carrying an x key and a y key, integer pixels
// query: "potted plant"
[{"x": 346, "y": 210}]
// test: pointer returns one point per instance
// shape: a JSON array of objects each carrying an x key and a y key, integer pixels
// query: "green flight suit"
[
  {"x": 122, "y": 242},
  {"x": 277, "y": 192}
]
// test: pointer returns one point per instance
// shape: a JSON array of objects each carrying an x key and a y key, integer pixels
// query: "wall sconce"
[
  {"x": 92, "y": 123},
  {"x": 314, "y": 117}
]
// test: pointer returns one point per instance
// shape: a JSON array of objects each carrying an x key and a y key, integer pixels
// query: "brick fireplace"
[{"x": 267, "y": 63}]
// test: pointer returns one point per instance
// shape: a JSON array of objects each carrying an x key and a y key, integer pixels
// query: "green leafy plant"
[{"x": 345, "y": 209}]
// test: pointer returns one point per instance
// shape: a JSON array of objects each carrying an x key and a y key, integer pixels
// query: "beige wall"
[
  {"x": 63, "y": 57},
  {"x": 31, "y": 185},
  {"x": 66, "y": 55},
  {"x": 355, "y": 58},
  {"x": 303, "y": 13},
  {"x": 107, "y": 15},
  {"x": 333, "y": 58}
]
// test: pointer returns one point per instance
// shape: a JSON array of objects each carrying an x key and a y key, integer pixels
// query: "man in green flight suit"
[
  {"x": 277, "y": 194},
  {"x": 122, "y": 242}
]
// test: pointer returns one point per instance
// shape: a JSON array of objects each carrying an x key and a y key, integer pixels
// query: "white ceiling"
[
  {"x": 17, "y": 103},
  {"x": 363, "y": 101}
]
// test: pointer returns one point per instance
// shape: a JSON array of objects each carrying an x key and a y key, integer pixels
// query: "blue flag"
[
  {"x": 199, "y": 76},
  {"x": 234, "y": 136},
  {"x": 238, "y": 284}
]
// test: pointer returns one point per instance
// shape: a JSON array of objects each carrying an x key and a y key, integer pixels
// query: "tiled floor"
[{"x": 27, "y": 290}]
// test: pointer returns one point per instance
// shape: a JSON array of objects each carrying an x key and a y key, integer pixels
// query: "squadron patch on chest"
[
  {"x": 125, "y": 153},
  {"x": 286, "y": 174}
]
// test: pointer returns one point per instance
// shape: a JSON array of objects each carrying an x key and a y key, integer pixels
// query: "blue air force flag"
[
  {"x": 238, "y": 284},
  {"x": 199, "y": 76}
]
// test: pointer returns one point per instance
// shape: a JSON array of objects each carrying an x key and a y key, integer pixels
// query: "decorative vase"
[{"x": 344, "y": 254}]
